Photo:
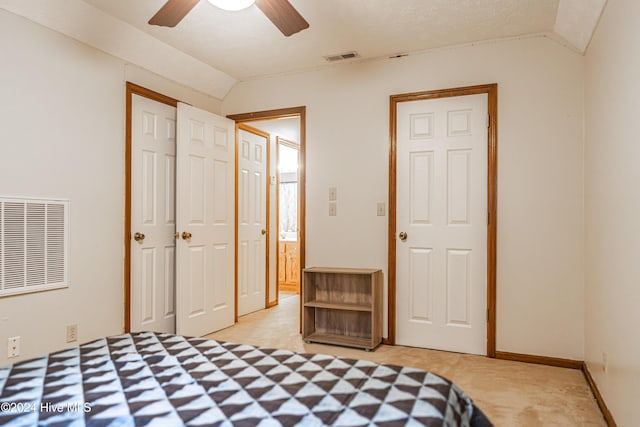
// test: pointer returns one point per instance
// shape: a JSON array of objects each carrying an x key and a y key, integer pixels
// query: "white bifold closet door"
[
  {"x": 182, "y": 225},
  {"x": 205, "y": 222},
  {"x": 153, "y": 216}
]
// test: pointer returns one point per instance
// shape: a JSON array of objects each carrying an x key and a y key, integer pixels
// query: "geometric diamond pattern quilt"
[{"x": 154, "y": 379}]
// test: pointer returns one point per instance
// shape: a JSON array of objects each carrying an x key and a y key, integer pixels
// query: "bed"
[{"x": 169, "y": 380}]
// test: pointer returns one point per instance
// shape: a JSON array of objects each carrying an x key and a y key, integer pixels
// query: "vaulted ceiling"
[{"x": 243, "y": 45}]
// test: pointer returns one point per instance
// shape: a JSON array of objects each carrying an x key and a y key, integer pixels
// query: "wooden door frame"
[
  {"x": 133, "y": 89},
  {"x": 492, "y": 162},
  {"x": 278, "y": 114},
  {"x": 247, "y": 128}
]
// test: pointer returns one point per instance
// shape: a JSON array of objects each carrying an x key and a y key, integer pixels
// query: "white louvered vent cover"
[{"x": 33, "y": 245}]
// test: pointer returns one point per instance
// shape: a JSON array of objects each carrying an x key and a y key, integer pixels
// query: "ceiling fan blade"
[
  {"x": 283, "y": 15},
  {"x": 172, "y": 12}
]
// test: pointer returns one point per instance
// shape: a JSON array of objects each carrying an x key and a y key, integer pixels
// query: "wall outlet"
[
  {"x": 381, "y": 210},
  {"x": 13, "y": 347},
  {"x": 333, "y": 209},
  {"x": 72, "y": 333},
  {"x": 605, "y": 362}
]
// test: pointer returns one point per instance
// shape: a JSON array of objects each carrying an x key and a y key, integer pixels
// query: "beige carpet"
[
  {"x": 286, "y": 294},
  {"x": 510, "y": 393}
]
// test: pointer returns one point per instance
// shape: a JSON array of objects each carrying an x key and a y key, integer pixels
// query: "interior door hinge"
[
  {"x": 488, "y": 120},
  {"x": 487, "y": 315},
  {"x": 488, "y": 217}
]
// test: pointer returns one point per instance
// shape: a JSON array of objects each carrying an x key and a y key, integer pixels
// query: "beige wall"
[
  {"x": 612, "y": 209},
  {"x": 540, "y": 228},
  {"x": 62, "y": 136}
]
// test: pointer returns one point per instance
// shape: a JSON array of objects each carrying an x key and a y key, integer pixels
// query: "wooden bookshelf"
[{"x": 342, "y": 306}]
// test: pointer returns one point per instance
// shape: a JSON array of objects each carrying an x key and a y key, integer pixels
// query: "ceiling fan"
[{"x": 280, "y": 12}]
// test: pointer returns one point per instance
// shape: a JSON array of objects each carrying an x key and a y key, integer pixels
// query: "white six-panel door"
[
  {"x": 153, "y": 145},
  {"x": 205, "y": 222},
  {"x": 441, "y": 189},
  {"x": 252, "y": 220}
]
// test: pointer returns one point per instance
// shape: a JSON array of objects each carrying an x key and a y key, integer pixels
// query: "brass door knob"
[
  {"x": 186, "y": 235},
  {"x": 263, "y": 231},
  {"x": 138, "y": 237},
  {"x": 402, "y": 236}
]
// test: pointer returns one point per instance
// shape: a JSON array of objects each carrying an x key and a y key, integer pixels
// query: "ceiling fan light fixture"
[{"x": 232, "y": 5}]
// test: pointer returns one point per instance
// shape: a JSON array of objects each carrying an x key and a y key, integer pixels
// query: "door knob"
[
  {"x": 402, "y": 236},
  {"x": 186, "y": 235},
  {"x": 263, "y": 231},
  {"x": 138, "y": 237}
]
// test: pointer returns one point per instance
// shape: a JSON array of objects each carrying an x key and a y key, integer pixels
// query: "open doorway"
[
  {"x": 287, "y": 129},
  {"x": 287, "y": 193}
]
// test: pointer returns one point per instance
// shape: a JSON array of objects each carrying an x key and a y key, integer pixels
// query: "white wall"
[
  {"x": 90, "y": 25},
  {"x": 62, "y": 122},
  {"x": 612, "y": 209},
  {"x": 288, "y": 128},
  {"x": 540, "y": 216}
]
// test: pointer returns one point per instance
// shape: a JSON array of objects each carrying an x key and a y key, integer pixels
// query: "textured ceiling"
[
  {"x": 576, "y": 21},
  {"x": 245, "y": 44}
]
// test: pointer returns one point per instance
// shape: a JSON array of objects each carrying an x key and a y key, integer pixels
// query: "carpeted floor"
[
  {"x": 510, "y": 393},
  {"x": 284, "y": 294}
]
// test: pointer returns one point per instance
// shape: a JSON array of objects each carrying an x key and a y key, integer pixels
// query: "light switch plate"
[
  {"x": 333, "y": 209},
  {"x": 381, "y": 210},
  {"x": 333, "y": 194}
]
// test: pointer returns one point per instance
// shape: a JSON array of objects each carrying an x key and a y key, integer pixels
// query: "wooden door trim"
[
  {"x": 277, "y": 114},
  {"x": 269, "y": 114},
  {"x": 133, "y": 89},
  {"x": 287, "y": 143},
  {"x": 492, "y": 206},
  {"x": 274, "y": 303},
  {"x": 247, "y": 128}
]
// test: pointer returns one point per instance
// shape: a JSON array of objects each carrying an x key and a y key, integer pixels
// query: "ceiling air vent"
[{"x": 341, "y": 56}]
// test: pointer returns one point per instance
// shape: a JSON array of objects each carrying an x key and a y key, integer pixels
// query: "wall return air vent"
[
  {"x": 341, "y": 56},
  {"x": 34, "y": 245}
]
